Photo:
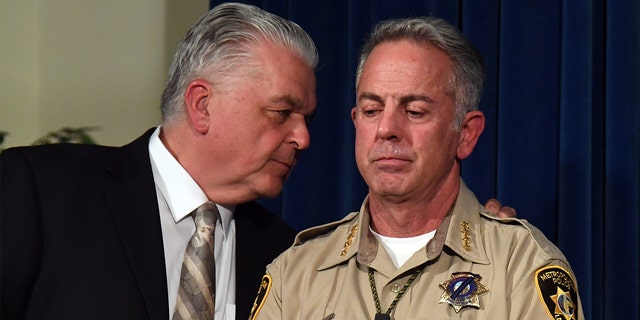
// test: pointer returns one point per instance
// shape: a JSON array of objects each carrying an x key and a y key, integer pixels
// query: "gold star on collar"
[
  {"x": 465, "y": 236},
  {"x": 349, "y": 241}
]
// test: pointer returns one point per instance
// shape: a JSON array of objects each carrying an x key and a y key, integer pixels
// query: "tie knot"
[{"x": 206, "y": 215}]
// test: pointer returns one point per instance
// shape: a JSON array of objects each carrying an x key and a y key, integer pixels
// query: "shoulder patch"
[
  {"x": 263, "y": 291},
  {"x": 557, "y": 291}
]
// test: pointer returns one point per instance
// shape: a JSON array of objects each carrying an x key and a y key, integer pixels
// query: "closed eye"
[
  {"x": 284, "y": 113},
  {"x": 307, "y": 120},
  {"x": 415, "y": 113},
  {"x": 279, "y": 115},
  {"x": 370, "y": 110}
]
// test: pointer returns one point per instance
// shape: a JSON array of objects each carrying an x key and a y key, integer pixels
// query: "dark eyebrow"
[
  {"x": 403, "y": 100},
  {"x": 415, "y": 97},
  {"x": 369, "y": 96}
]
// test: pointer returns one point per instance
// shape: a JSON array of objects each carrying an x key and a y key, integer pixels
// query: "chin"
[
  {"x": 386, "y": 184},
  {"x": 271, "y": 190}
]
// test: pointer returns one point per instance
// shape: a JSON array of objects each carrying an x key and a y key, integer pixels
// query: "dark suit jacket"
[{"x": 81, "y": 237}]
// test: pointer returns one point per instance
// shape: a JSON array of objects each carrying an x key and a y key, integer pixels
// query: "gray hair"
[
  {"x": 467, "y": 81},
  {"x": 223, "y": 41}
]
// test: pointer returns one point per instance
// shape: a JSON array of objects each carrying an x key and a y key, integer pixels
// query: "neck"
[
  {"x": 413, "y": 217},
  {"x": 186, "y": 147}
]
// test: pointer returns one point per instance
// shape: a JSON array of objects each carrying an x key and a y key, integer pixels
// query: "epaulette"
[
  {"x": 538, "y": 236},
  {"x": 511, "y": 221},
  {"x": 316, "y": 231}
]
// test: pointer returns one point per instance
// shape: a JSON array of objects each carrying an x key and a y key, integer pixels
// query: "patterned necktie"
[{"x": 196, "y": 294}]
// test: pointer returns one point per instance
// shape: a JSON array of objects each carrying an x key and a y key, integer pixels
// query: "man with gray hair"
[
  {"x": 421, "y": 246},
  {"x": 95, "y": 232}
]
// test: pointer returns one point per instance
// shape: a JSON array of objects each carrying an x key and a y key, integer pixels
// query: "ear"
[
  {"x": 471, "y": 128},
  {"x": 353, "y": 115},
  {"x": 197, "y": 97}
]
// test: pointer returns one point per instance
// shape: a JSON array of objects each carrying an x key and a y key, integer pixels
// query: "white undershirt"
[
  {"x": 178, "y": 195},
  {"x": 401, "y": 249}
]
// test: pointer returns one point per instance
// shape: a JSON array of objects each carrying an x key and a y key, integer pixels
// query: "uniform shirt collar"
[
  {"x": 459, "y": 230},
  {"x": 462, "y": 231},
  {"x": 351, "y": 236}
]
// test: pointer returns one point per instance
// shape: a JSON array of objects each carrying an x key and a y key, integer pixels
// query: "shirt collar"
[
  {"x": 463, "y": 220},
  {"x": 182, "y": 193},
  {"x": 463, "y": 232}
]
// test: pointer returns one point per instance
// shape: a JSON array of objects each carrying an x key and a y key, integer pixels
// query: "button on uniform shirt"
[{"x": 178, "y": 195}]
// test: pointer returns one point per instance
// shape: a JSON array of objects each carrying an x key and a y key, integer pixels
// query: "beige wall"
[{"x": 82, "y": 63}]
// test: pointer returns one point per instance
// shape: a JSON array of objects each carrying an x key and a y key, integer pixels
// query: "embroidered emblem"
[
  {"x": 557, "y": 291},
  {"x": 263, "y": 291},
  {"x": 464, "y": 234},
  {"x": 347, "y": 244},
  {"x": 462, "y": 290}
]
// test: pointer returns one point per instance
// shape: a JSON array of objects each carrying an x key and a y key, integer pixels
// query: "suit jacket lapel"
[
  {"x": 249, "y": 261},
  {"x": 134, "y": 205},
  {"x": 260, "y": 237}
]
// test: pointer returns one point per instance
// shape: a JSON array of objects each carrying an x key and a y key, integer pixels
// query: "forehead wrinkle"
[
  {"x": 294, "y": 104},
  {"x": 288, "y": 100}
]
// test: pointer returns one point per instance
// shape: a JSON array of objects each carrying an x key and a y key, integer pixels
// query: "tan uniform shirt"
[{"x": 503, "y": 268}]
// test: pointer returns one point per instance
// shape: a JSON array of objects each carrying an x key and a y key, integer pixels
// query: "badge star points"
[
  {"x": 564, "y": 305},
  {"x": 462, "y": 290}
]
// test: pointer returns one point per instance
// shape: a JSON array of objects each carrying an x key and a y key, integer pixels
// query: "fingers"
[
  {"x": 507, "y": 212},
  {"x": 494, "y": 206}
]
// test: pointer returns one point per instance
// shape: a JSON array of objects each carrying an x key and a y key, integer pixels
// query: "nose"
[
  {"x": 300, "y": 136},
  {"x": 390, "y": 125}
]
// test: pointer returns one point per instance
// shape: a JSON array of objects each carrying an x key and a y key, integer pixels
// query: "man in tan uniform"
[{"x": 421, "y": 246}]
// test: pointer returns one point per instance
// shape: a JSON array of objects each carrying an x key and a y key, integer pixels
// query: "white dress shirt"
[{"x": 178, "y": 195}]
